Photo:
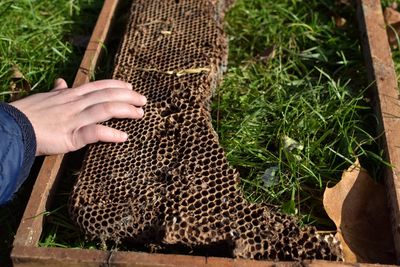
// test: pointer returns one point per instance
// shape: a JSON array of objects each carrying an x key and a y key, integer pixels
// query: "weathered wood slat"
[{"x": 381, "y": 74}]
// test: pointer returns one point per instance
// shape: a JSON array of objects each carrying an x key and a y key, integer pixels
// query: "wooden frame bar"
[
  {"x": 382, "y": 76},
  {"x": 380, "y": 67}
]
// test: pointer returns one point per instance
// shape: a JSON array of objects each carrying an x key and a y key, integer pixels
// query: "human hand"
[{"x": 66, "y": 120}]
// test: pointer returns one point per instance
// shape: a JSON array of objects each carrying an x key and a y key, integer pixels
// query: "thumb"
[{"x": 60, "y": 84}]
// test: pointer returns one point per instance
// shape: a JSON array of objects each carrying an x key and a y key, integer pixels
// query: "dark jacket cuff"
[{"x": 28, "y": 136}]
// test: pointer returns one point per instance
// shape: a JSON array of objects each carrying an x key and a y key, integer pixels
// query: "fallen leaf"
[
  {"x": 268, "y": 54},
  {"x": 343, "y": 2},
  {"x": 357, "y": 206},
  {"x": 391, "y": 15},
  {"x": 340, "y": 22},
  {"x": 392, "y": 19},
  {"x": 18, "y": 84}
]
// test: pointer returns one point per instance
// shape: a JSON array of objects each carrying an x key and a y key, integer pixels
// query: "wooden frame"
[
  {"x": 382, "y": 75},
  {"x": 380, "y": 68}
]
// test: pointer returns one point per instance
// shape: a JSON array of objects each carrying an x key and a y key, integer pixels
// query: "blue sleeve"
[{"x": 17, "y": 150}]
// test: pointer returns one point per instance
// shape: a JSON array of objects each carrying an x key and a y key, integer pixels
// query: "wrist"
[{"x": 28, "y": 133}]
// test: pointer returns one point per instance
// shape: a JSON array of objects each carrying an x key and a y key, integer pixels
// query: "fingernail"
[
  {"x": 144, "y": 99},
  {"x": 124, "y": 136},
  {"x": 57, "y": 82},
  {"x": 141, "y": 112}
]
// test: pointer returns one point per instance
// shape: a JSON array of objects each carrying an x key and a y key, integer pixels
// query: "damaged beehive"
[{"x": 170, "y": 183}]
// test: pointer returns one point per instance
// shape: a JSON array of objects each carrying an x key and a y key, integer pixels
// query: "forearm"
[{"x": 17, "y": 150}]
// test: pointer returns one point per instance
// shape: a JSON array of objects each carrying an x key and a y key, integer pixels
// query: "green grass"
[
  {"x": 309, "y": 91},
  {"x": 36, "y": 37}
]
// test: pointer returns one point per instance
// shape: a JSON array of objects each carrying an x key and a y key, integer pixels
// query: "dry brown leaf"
[
  {"x": 343, "y": 2},
  {"x": 268, "y": 54},
  {"x": 18, "y": 85},
  {"x": 391, "y": 15},
  {"x": 357, "y": 206},
  {"x": 340, "y": 22},
  {"x": 392, "y": 19}
]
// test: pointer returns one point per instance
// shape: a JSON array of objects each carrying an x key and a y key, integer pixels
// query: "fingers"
[
  {"x": 97, "y": 133},
  {"x": 60, "y": 84},
  {"x": 100, "y": 85},
  {"x": 105, "y": 111},
  {"x": 112, "y": 95}
]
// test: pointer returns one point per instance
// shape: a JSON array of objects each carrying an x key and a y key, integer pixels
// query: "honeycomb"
[{"x": 170, "y": 183}]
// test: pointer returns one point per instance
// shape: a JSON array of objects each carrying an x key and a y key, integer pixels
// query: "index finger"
[{"x": 100, "y": 85}]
